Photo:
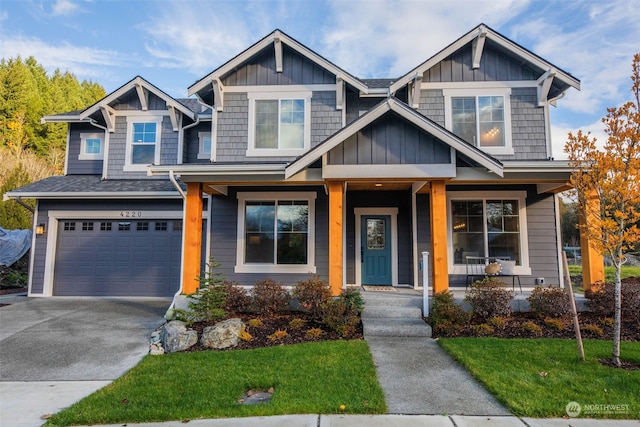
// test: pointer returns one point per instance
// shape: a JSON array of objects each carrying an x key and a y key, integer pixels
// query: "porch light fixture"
[
  {"x": 377, "y": 184},
  {"x": 40, "y": 229}
]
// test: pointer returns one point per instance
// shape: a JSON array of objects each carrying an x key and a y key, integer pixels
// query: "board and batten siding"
[
  {"x": 543, "y": 239},
  {"x": 224, "y": 238},
  {"x": 261, "y": 70},
  {"x": 96, "y": 205},
  {"x": 390, "y": 140},
  {"x": 75, "y": 166}
]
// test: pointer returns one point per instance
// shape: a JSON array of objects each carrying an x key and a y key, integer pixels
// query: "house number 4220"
[{"x": 130, "y": 214}]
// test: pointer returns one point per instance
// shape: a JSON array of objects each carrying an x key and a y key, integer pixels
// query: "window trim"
[
  {"x": 202, "y": 155},
  {"x": 83, "y": 155},
  {"x": 520, "y": 196},
  {"x": 505, "y": 92},
  {"x": 128, "y": 166},
  {"x": 251, "y": 148},
  {"x": 309, "y": 267}
]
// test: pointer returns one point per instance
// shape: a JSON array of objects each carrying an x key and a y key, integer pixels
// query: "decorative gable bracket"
[
  {"x": 143, "y": 95},
  {"x": 478, "y": 46},
  {"x": 339, "y": 93},
  {"x": 277, "y": 45},
  {"x": 544, "y": 85},
  {"x": 176, "y": 118},
  {"x": 218, "y": 93},
  {"x": 108, "y": 114},
  {"x": 415, "y": 91}
]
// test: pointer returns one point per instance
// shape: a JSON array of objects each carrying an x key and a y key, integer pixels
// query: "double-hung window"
[
  {"x": 276, "y": 233},
  {"x": 91, "y": 146},
  {"x": 488, "y": 225},
  {"x": 279, "y": 125},
  {"x": 143, "y": 141},
  {"x": 204, "y": 145},
  {"x": 482, "y": 117}
]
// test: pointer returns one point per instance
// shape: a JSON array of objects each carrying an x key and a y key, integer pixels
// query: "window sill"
[
  {"x": 204, "y": 156},
  {"x": 135, "y": 168},
  {"x": 275, "y": 152},
  {"x": 502, "y": 151},
  {"x": 270, "y": 268},
  {"x": 90, "y": 157}
]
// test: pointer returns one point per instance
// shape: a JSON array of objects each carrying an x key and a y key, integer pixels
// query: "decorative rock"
[
  {"x": 223, "y": 334},
  {"x": 176, "y": 337},
  {"x": 156, "y": 349}
]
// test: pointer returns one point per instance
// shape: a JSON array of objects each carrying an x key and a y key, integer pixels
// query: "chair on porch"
[{"x": 479, "y": 267}]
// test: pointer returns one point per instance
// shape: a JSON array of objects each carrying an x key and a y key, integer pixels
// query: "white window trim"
[
  {"x": 201, "y": 138},
  {"x": 309, "y": 267},
  {"x": 83, "y": 146},
  {"x": 251, "y": 150},
  {"x": 128, "y": 167},
  {"x": 505, "y": 92},
  {"x": 520, "y": 196}
]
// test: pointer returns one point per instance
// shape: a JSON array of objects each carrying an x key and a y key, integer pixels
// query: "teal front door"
[{"x": 376, "y": 250}]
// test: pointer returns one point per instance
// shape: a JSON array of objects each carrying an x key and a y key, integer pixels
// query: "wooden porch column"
[
  {"x": 192, "y": 249},
  {"x": 336, "y": 192},
  {"x": 592, "y": 260},
  {"x": 439, "y": 236}
]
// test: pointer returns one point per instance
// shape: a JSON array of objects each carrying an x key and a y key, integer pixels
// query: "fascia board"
[
  {"x": 189, "y": 170},
  {"x": 62, "y": 119},
  {"x": 263, "y": 44},
  {"x": 94, "y": 195}
]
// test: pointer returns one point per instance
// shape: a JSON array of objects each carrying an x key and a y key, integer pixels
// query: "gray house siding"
[
  {"x": 45, "y": 206},
  {"x": 118, "y": 145},
  {"x": 356, "y": 104},
  {"x": 377, "y": 199},
  {"x": 191, "y": 143},
  {"x": 224, "y": 217},
  {"x": 423, "y": 214},
  {"x": 131, "y": 101},
  {"x": 74, "y": 165},
  {"x": 391, "y": 140},
  {"x": 494, "y": 66},
  {"x": 233, "y": 126},
  {"x": 261, "y": 70},
  {"x": 527, "y": 121}
]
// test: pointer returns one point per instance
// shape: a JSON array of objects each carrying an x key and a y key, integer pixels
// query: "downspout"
[
  {"x": 169, "y": 315},
  {"x": 181, "y": 138},
  {"x": 24, "y": 205},
  {"x": 105, "y": 154}
]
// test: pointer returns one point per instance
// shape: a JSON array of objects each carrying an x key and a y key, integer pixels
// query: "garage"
[{"x": 109, "y": 257}]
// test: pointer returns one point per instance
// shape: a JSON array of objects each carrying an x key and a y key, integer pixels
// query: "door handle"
[{"x": 362, "y": 254}]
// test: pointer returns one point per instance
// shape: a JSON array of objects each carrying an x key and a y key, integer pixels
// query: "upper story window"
[
  {"x": 204, "y": 145},
  {"x": 91, "y": 146},
  {"x": 279, "y": 125},
  {"x": 481, "y": 117},
  {"x": 143, "y": 142}
]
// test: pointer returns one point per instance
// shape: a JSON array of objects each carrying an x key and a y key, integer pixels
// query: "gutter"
[
  {"x": 172, "y": 178},
  {"x": 24, "y": 205}
]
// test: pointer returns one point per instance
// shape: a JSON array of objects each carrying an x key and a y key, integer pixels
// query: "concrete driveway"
[{"x": 54, "y": 351}]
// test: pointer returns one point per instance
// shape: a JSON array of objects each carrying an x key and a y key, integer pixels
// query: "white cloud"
[
  {"x": 64, "y": 8},
  {"x": 559, "y": 136}
]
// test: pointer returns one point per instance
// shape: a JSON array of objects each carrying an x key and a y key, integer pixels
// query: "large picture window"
[
  {"x": 480, "y": 117},
  {"x": 276, "y": 232},
  {"x": 488, "y": 225},
  {"x": 278, "y": 126}
]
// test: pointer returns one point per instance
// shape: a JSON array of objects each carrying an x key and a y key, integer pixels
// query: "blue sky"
[{"x": 173, "y": 43}]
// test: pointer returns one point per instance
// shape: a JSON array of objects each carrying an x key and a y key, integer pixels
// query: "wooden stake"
[{"x": 574, "y": 311}]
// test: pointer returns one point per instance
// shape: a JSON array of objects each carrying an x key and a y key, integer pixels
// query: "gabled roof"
[
  {"x": 404, "y": 111},
  {"x": 478, "y": 36},
  {"x": 275, "y": 38}
]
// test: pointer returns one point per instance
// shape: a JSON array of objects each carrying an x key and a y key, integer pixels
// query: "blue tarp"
[{"x": 13, "y": 245}]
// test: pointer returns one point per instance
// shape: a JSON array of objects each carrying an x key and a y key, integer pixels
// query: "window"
[
  {"x": 142, "y": 226},
  {"x": 90, "y": 146},
  {"x": 161, "y": 226},
  {"x": 276, "y": 233},
  {"x": 69, "y": 226},
  {"x": 87, "y": 226},
  {"x": 143, "y": 137},
  {"x": 105, "y": 226},
  {"x": 481, "y": 117},
  {"x": 204, "y": 145},
  {"x": 491, "y": 224},
  {"x": 124, "y": 226},
  {"x": 279, "y": 126}
]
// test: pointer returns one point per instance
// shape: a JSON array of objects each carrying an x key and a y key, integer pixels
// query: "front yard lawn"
[
  {"x": 539, "y": 377},
  {"x": 306, "y": 378}
]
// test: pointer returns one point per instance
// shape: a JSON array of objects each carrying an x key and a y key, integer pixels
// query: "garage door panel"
[{"x": 118, "y": 258}]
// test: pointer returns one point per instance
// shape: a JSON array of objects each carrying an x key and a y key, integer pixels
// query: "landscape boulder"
[
  {"x": 176, "y": 337},
  {"x": 223, "y": 334}
]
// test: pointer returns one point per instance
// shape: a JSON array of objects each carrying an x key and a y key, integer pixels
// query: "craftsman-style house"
[{"x": 283, "y": 165}]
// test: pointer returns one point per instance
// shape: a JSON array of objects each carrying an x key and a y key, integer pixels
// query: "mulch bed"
[{"x": 260, "y": 334}]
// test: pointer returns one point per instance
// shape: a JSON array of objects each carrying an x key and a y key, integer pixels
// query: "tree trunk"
[{"x": 617, "y": 326}]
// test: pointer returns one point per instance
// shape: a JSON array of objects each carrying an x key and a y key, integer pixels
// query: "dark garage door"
[{"x": 118, "y": 258}]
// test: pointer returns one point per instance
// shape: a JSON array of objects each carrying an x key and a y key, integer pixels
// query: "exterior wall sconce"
[{"x": 40, "y": 229}]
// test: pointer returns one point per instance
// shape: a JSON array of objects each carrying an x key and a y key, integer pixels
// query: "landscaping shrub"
[
  {"x": 593, "y": 330},
  {"x": 549, "y": 301},
  {"x": 446, "y": 316},
  {"x": 238, "y": 299},
  {"x": 601, "y": 298},
  {"x": 498, "y": 322},
  {"x": 209, "y": 302},
  {"x": 297, "y": 323},
  {"x": 482, "y": 329},
  {"x": 532, "y": 328},
  {"x": 314, "y": 333},
  {"x": 270, "y": 298},
  {"x": 342, "y": 314},
  {"x": 489, "y": 298},
  {"x": 311, "y": 294},
  {"x": 278, "y": 335},
  {"x": 555, "y": 323}
]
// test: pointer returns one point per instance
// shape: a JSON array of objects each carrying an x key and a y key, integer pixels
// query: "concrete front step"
[
  {"x": 390, "y": 312},
  {"x": 395, "y": 327},
  {"x": 392, "y": 301}
]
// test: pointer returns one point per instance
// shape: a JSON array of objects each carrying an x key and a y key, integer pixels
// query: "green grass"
[
  {"x": 510, "y": 369},
  {"x": 627, "y": 271},
  {"x": 307, "y": 378}
]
